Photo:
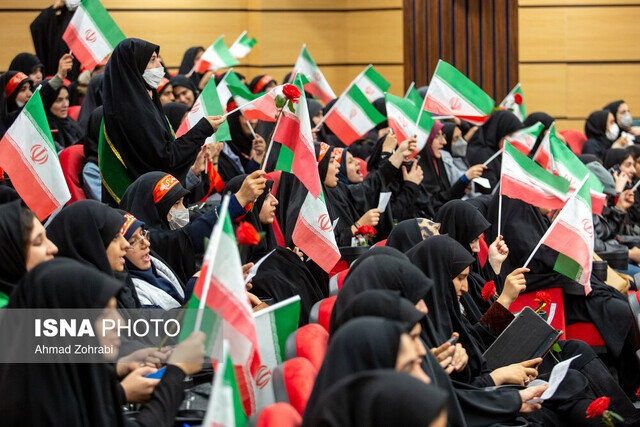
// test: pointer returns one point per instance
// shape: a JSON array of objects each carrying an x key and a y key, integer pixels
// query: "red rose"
[
  {"x": 247, "y": 235},
  {"x": 291, "y": 92},
  {"x": 598, "y": 407},
  {"x": 517, "y": 98},
  {"x": 488, "y": 290},
  {"x": 366, "y": 230},
  {"x": 543, "y": 298},
  {"x": 638, "y": 393}
]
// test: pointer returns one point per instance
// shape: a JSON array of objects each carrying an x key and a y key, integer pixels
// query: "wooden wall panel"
[
  {"x": 545, "y": 88},
  {"x": 576, "y": 2},
  {"x": 475, "y": 36}
]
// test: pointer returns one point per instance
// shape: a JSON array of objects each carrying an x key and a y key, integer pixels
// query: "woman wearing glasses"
[{"x": 156, "y": 284}]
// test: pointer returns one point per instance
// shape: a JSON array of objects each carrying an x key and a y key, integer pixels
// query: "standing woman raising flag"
[{"x": 136, "y": 137}]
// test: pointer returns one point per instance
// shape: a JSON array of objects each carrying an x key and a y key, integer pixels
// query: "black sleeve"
[
  {"x": 403, "y": 204},
  {"x": 367, "y": 193},
  {"x": 165, "y": 400},
  {"x": 185, "y": 149}
]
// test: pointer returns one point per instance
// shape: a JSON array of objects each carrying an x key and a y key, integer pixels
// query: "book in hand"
[{"x": 527, "y": 337}]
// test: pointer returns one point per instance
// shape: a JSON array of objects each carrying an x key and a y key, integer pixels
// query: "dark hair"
[
  {"x": 633, "y": 151},
  {"x": 26, "y": 225}
]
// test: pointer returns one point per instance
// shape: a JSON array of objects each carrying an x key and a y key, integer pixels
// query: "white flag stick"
[{"x": 492, "y": 158}]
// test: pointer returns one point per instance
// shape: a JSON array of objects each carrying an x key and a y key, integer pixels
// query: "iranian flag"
[
  {"x": 225, "y": 401},
  {"x": 318, "y": 85},
  {"x": 451, "y": 93},
  {"x": 215, "y": 57},
  {"x": 571, "y": 234},
  {"x": 526, "y": 138},
  {"x": 92, "y": 34},
  {"x": 242, "y": 46},
  {"x": 255, "y": 107},
  {"x": 28, "y": 156},
  {"x": 207, "y": 104},
  {"x": 525, "y": 180},
  {"x": 224, "y": 93},
  {"x": 220, "y": 308},
  {"x": 413, "y": 95},
  {"x": 371, "y": 83},
  {"x": 293, "y": 131},
  {"x": 514, "y": 102},
  {"x": 558, "y": 159},
  {"x": 352, "y": 116},
  {"x": 273, "y": 326},
  {"x": 403, "y": 118}
]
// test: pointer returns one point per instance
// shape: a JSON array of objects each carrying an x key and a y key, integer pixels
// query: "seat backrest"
[
  {"x": 555, "y": 311},
  {"x": 71, "y": 162},
  {"x": 293, "y": 382},
  {"x": 363, "y": 167},
  {"x": 74, "y": 112},
  {"x": 321, "y": 312},
  {"x": 278, "y": 414},
  {"x": 575, "y": 139},
  {"x": 310, "y": 342},
  {"x": 336, "y": 281}
]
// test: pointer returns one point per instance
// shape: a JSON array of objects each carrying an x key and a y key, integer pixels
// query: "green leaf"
[
  {"x": 291, "y": 108},
  {"x": 262, "y": 234},
  {"x": 280, "y": 101},
  {"x": 616, "y": 416},
  {"x": 556, "y": 347},
  {"x": 206, "y": 244}
]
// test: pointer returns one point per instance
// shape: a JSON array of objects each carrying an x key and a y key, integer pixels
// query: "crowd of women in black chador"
[{"x": 389, "y": 358}]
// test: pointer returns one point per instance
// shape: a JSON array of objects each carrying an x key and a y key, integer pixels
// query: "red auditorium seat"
[
  {"x": 310, "y": 342},
  {"x": 381, "y": 243},
  {"x": 363, "y": 167},
  {"x": 340, "y": 265},
  {"x": 321, "y": 312},
  {"x": 74, "y": 112},
  {"x": 293, "y": 382},
  {"x": 575, "y": 139},
  {"x": 279, "y": 414},
  {"x": 336, "y": 281},
  {"x": 71, "y": 162}
]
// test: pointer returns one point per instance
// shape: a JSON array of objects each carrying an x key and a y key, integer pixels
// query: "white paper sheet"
[
  {"x": 483, "y": 182},
  {"x": 384, "y": 201},
  {"x": 254, "y": 270},
  {"x": 557, "y": 375}
]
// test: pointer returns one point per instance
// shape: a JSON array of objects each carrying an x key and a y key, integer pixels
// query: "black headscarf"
[
  {"x": 188, "y": 59},
  {"x": 68, "y": 131},
  {"x": 380, "y": 398},
  {"x": 240, "y": 143},
  {"x": 254, "y": 86},
  {"x": 13, "y": 265},
  {"x": 410, "y": 232},
  {"x": 141, "y": 118},
  {"x": 485, "y": 142},
  {"x": 46, "y": 31},
  {"x": 363, "y": 344},
  {"x": 614, "y": 156},
  {"x": 541, "y": 117},
  {"x": 186, "y": 82},
  {"x": 9, "y": 110},
  {"x": 138, "y": 200},
  {"x": 380, "y": 105},
  {"x": 314, "y": 108},
  {"x": 92, "y": 136},
  {"x": 462, "y": 221},
  {"x": 595, "y": 128},
  {"x": 612, "y": 107},
  {"x": 8, "y": 194},
  {"x": 26, "y": 62},
  {"x": 85, "y": 393},
  {"x": 175, "y": 112},
  {"x": 83, "y": 230},
  {"x": 92, "y": 99},
  {"x": 447, "y": 131}
]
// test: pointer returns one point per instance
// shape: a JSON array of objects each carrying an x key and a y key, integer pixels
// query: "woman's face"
[
  {"x": 441, "y": 421},
  {"x": 628, "y": 166},
  {"x": 198, "y": 56},
  {"x": 610, "y": 120},
  {"x": 60, "y": 107},
  {"x": 457, "y": 134},
  {"x": 317, "y": 118},
  {"x": 24, "y": 94},
  {"x": 270, "y": 86},
  {"x": 154, "y": 61},
  {"x": 116, "y": 252},
  {"x": 268, "y": 210},
  {"x": 245, "y": 124},
  {"x": 353, "y": 169},
  {"x": 179, "y": 204},
  {"x": 36, "y": 76},
  {"x": 438, "y": 142},
  {"x": 421, "y": 306},
  {"x": 184, "y": 96},
  {"x": 410, "y": 354},
  {"x": 622, "y": 110},
  {"x": 139, "y": 249},
  {"x": 331, "y": 179},
  {"x": 40, "y": 248},
  {"x": 460, "y": 282},
  {"x": 167, "y": 95},
  {"x": 475, "y": 245},
  {"x": 109, "y": 337}
]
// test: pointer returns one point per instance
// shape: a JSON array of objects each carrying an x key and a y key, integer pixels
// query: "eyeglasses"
[{"x": 144, "y": 235}]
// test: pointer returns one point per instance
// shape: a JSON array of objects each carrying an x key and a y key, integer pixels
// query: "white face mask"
[
  {"x": 72, "y": 4},
  {"x": 626, "y": 120},
  {"x": 179, "y": 218},
  {"x": 19, "y": 104},
  {"x": 459, "y": 148},
  {"x": 612, "y": 132},
  {"x": 153, "y": 76}
]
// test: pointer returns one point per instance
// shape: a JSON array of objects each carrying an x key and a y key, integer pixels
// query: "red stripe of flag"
[
  {"x": 80, "y": 50},
  {"x": 340, "y": 126}
]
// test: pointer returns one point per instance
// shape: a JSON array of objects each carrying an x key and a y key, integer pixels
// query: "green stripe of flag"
[
  {"x": 535, "y": 171},
  {"x": 212, "y": 104},
  {"x": 211, "y": 323},
  {"x": 284, "y": 321},
  {"x": 465, "y": 87},
  {"x": 223, "y": 52},
  {"x": 307, "y": 56},
  {"x": 361, "y": 101},
  {"x": 246, "y": 41},
  {"x": 414, "y": 96},
  {"x": 377, "y": 79},
  {"x": 568, "y": 267},
  {"x": 104, "y": 23},
  {"x": 34, "y": 111}
]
